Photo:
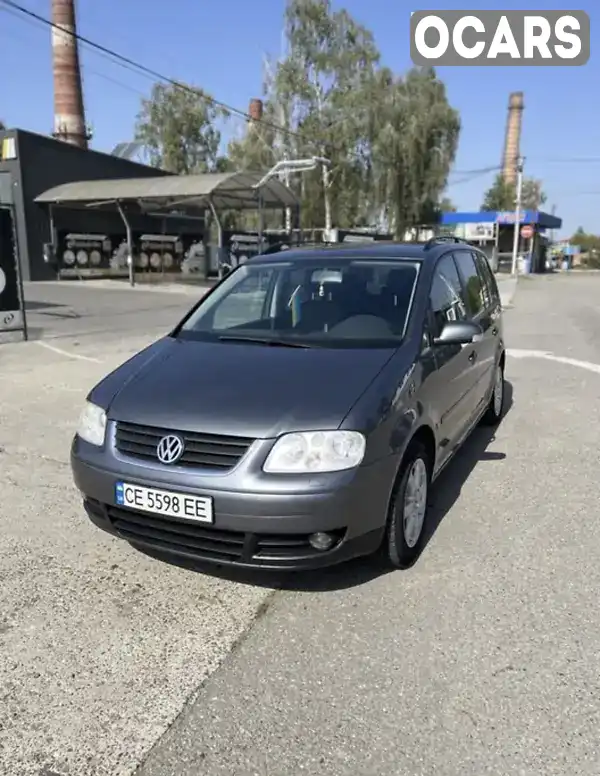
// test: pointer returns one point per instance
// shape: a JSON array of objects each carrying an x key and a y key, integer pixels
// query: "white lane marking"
[
  {"x": 546, "y": 355},
  {"x": 66, "y": 353}
]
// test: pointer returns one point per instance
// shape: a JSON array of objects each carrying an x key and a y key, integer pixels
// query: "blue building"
[
  {"x": 493, "y": 232},
  {"x": 536, "y": 218}
]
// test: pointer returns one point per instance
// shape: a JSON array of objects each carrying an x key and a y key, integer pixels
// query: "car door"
[
  {"x": 448, "y": 391},
  {"x": 479, "y": 307},
  {"x": 495, "y": 302}
]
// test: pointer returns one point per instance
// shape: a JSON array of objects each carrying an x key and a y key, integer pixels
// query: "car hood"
[{"x": 239, "y": 389}]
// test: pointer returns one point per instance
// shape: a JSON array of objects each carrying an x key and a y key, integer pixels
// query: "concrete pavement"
[
  {"x": 99, "y": 645},
  {"x": 481, "y": 659}
]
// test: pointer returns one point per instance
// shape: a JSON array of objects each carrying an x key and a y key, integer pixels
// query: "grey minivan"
[{"x": 298, "y": 414}]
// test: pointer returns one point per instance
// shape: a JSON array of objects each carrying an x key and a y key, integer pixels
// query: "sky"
[{"x": 220, "y": 47}]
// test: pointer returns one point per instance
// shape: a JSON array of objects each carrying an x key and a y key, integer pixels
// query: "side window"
[
  {"x": 486, "y": 289},
  {"x": 471, "y": 281},
  {"x": 246, "y": 302},
  {"x": 488, "y": 275},
  {"x": 446, "y": 296}
]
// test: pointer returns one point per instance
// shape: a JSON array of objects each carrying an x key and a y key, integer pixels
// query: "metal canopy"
[{"x": 224, "y": 191}]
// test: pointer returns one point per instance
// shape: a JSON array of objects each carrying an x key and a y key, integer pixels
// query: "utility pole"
[{"x": 520, "y": 163}]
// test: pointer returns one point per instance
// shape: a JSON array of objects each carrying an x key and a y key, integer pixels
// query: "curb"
[
  {"x": 116, "y": 285},
  {"x": 508, "y": 288}
]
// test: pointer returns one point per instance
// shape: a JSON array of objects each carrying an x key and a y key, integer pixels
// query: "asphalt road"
[
  {"x": 481, "y": 659},
  {"x": 103, "y": 311}
]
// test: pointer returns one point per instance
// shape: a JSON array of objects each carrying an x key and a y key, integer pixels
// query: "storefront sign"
[
  {"x": 481, "y": 231},
  {"x": 11, "y": 313}
]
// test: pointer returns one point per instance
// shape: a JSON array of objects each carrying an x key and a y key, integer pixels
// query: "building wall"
[
  {"x": 43, "y": 163},
  {"x": 11, "y": 187}
]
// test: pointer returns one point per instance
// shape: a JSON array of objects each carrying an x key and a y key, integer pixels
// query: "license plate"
[{"x": 164, "y": 502}]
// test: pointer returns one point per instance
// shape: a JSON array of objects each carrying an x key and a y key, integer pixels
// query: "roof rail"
[
  {"x": 441, "y": 238},
  {"x": 285, "y": 246}
]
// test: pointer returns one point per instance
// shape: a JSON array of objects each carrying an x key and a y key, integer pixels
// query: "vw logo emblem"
[{"x": 170, "y": 449}]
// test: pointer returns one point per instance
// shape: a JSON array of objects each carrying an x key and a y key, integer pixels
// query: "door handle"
[{"x": 472, "y": 356}]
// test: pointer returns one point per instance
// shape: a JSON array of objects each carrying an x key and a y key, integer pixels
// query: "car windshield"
[{"x": 305, "y": 302}]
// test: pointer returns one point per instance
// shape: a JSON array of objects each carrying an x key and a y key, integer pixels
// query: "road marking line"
[
  {"x": 589, "y": 365},
  {"x": 62, "y": 352}
]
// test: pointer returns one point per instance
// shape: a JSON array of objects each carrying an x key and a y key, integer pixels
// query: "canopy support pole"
[
  {"x": 261, "y": 220},
  {"x": 129, "y": 244},
  {"x": 220, "y": 246}
]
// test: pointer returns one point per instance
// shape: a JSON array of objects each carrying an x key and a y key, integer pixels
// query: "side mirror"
[{"x": 458, "y": 333}]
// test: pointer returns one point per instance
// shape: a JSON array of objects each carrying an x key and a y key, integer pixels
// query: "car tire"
[
  {"x": 408, "y": 509},
  {"x": 493, "y": 414}
]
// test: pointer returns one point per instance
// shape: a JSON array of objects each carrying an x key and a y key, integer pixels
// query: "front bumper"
[{"x": 251, "y": 529}]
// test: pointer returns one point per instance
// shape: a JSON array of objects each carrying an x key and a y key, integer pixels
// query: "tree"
[
  {"x": 447, "y": 206},
  {"x": 587, "y": 242},
  {"x": 321, "y": 84},
  {"x": 2, "y": 125},
  {"x": 532, "y": 196},
  {"x": 177, "y": 128},
  {"x": 390, "y": 140},
  {"x": 503, "y": 195},
  {"x": 415, "y": 138},
  {"x": 500, "y": 196}
]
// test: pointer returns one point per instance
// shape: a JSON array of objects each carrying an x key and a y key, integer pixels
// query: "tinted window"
[
  {"x": 325, "y": 302},
  {"x": 446, "y": 298},
  {"x": 486, "y": 291},
  {"x": 488, "y": 275},
  {"x": 471, "y": 281}
]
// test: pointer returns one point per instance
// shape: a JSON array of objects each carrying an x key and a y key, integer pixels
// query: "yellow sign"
[{"x": 9, "y": 149}]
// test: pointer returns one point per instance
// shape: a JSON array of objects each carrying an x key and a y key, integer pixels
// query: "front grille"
[
  {"x": 206, "y": 451},
  {"x": 203, "y": 542}
]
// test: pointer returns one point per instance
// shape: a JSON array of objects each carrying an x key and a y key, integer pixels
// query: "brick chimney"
[
  {"x": 512, "y": 138},
  {"x": 69, "y": 114},
  {"x": 255, "y": 110}
]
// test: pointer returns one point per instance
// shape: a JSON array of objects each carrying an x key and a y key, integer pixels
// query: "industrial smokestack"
[
  {"x": 255, "y": 110},
  {"x": 69, "y": 115},
  {"x": 512, "y": 139}
]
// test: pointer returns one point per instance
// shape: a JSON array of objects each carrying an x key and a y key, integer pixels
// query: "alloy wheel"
[{"x": 415, "y": 502}]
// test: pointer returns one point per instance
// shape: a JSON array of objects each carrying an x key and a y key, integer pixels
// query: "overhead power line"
[
  {"x": 573, "y": 160},
  {"x": 86, "y": 68},
  {"x": 140, "y": 69},
  {"x": 148, "y": 71},
  {"x": 155, "y": 75}
]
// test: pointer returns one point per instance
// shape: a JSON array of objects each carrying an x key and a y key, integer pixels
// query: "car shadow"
[{"x": 444, "y": 494}]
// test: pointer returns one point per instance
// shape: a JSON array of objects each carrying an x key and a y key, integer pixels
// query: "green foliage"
[
  {"x": 503, "y": 195},
  {"x": 415, "y": 140},
  {"x": 390, "y": 140},
  {"x": 447, "y": 206},
  {"x": 177, "y": 128},
  {"x": 588, "y": 242},
  {"x": 500, "y": 196}
]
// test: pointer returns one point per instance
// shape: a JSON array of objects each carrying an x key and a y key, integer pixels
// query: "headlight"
[
  {"x": 316, "y": 451},
  {"x": 92, "y": 424}
]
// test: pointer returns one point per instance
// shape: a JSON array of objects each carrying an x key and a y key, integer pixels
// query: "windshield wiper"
[{"x": 264, "y": 341}]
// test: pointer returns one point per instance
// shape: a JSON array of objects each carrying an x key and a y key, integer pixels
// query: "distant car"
[{"x": 298, "y": 414}]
